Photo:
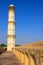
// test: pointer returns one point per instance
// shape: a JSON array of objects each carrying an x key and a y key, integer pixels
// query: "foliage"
[
  {"x": 2, "y": 45},
  {"x": 17, "y": 45}
]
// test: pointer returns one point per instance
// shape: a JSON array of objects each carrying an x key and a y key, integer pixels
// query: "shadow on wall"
[
  {"x": 32, "y": 60},
  {"x": 21, "y": 57},
  {"x": 24, "y": 59}
]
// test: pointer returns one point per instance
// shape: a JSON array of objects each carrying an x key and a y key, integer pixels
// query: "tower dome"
[{"x": 11, "y": 5}]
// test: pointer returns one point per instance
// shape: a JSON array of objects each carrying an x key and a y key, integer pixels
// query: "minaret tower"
[{"x": 11, "y": 28}]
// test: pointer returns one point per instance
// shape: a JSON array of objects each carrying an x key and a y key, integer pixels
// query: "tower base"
[{"x": 10, "y": 48}]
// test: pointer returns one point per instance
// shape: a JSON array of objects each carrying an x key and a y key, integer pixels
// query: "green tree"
[{"x": 2, "y": 45}]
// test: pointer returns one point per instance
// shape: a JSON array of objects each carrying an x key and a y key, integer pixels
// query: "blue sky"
[{"x": 29, "y": 20}]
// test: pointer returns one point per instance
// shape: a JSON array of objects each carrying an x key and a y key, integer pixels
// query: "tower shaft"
[{"x": 11, "y": 28}]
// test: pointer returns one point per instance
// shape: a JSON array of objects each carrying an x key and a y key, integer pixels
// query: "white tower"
[{"x": 11, "y": 28}]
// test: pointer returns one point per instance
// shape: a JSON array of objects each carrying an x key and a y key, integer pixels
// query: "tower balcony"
[{"x": 11, "y": 36}]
